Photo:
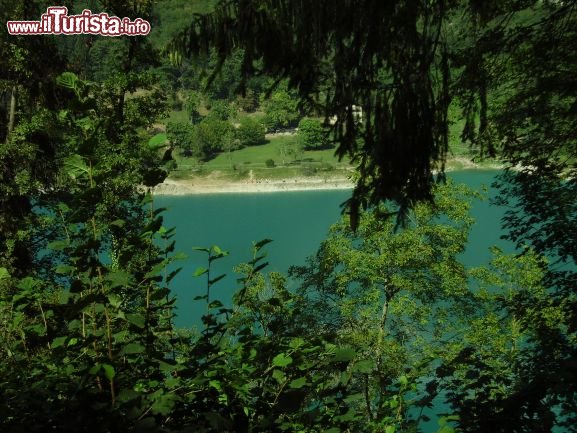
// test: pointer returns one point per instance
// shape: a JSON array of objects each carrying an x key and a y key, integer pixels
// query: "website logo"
[{"x": 56, "y": 21}]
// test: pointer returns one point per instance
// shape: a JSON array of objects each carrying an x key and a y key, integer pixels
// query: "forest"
[{"x": 384, "y": 324}]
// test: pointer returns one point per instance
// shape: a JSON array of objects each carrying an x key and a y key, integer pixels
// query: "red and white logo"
[{"x": 56, "y": 21}]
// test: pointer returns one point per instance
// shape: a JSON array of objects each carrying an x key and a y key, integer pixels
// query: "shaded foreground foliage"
[{"x": 385, "y": 320}]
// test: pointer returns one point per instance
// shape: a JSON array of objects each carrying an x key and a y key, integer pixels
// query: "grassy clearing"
[{"x": 238, "y": 164}]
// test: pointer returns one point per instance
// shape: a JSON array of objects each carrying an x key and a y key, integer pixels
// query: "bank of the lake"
[
  {"x": 199, "y": 185},
  {"x": 217, "y": 183}
]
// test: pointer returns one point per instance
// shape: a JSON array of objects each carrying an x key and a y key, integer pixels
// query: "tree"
[
  {"x": 221, "y": 110},
  {"x": 281, "y": 111},
  {"x": 182, "y": 135},
  {"x": 414, "y": 314},
  {"x": 312, "y": 135},
  {"x": 192, "y": 105},
  {"x": 213, "y": 136},
  {"x": 250, "y": 131}
]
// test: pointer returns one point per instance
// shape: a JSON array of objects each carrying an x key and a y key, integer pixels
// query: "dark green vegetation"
[{"x": 385, "y": 318}]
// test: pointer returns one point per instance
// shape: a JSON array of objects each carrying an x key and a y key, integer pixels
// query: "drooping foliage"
[{"x": 387, "y": 57}]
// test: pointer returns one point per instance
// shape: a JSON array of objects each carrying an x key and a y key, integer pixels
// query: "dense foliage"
[
  {"x": 312, "y": 134},
  {"x": 384, "y": 320}
]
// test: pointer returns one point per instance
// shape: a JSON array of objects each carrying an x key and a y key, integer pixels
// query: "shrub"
[
  {"x": 181, "y": 135},
  {"x": 250, "y": 132},
  {"x": 281, "y": 111},
  {"x": 312, "y": 134},
  {"x": 270, "y": 163},
  {"x": 213, "y": 136}
]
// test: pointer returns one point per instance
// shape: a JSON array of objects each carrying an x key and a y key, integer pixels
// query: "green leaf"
[
  {"x": 279, "y": 376},
  {"x": 127, "y": 395},
  {"x": 199, "y": 272},
  {"x": 137, "y": 320},
  {"x": 215, "y": 304},
  {"x": 390, "y": 429},
  {"x": 114, "y": 300},
  {"x": 118, "y": 223},
  {"x": 4, "y": 273},
  {"x": 133, "y": 348},
  {"x": 217, "y": 279},
  {"x": 206, "y": 250},
  {"x": 58, "y": 341},
  {"x": 298, "y": 383},
  {"x": 281, "y": 360},
  {"x": 109, "y": 371},
  {"x": 364, "y": 367},
  {"x": 344, "y": 354},
  {"x": 258, "y": 246},
  {"x": 75, "y": 166},
  {"x": 57, "y": 245},
  {"x": 297, "y": 342},
  {"x": 118, "y": 279},
  {"x": 164, "y": 404},
  {"x": 403, "y": 380},
  {"x": 64, "y": 269},
  {"x": 68, "y": 80}
]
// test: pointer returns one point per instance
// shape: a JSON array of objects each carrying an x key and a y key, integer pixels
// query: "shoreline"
[
  {"x": 214, "y": 184},
  {"x": 198, "y": 186}
]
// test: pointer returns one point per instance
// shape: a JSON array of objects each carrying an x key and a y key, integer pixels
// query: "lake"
[{"x": 297, "y": 222}]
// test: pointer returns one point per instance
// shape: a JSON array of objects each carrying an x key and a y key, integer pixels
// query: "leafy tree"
[
  {"x": 250, "y": 131},
  {"x": 182, "y": 135},
  {"x": 213, "y": 136},
  {"x": 192, "y": 105},
  {"x": 281, "y": 110},
  {"x": 221, "y": 110},
  {"x": 414, "y": 314},
  {"x": 487, "y": 368},
  {"x": 396, "y": 296},
  {"x": 312, "y": 134}
]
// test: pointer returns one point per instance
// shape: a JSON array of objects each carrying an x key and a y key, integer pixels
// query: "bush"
[
  {"x": 181, "y": 135},
  {"x": 270, "y": 163},
  {"x": 250, "y": 132},
  {"x": 312, "y": 134},
  {"x": 221, "y": 110},
  {"x": 213, "y": 136},
  {"x": 281, "y": 111}
]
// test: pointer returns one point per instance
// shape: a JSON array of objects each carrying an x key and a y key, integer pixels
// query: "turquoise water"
[{"x": 296, "y": 221}]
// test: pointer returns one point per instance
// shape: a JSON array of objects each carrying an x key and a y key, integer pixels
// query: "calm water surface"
[{"x": 296, "y": 221}]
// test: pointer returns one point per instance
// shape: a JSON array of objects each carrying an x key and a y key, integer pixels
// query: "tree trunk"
[{"x": 12, "y": 112}]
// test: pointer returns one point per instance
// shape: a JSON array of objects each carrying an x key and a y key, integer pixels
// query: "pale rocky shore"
[{"x": 216, "y": 186}]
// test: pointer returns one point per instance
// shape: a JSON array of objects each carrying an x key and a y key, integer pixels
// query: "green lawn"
[{"x": 237, "y": 164}]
